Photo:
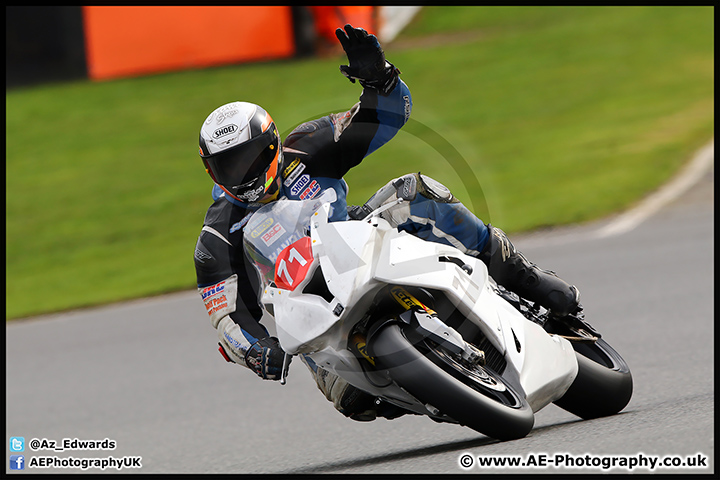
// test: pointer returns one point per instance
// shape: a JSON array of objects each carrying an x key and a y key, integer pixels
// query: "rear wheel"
[
  {"x": 603, "y": 385},
  {"x": 473, "y": 395}
]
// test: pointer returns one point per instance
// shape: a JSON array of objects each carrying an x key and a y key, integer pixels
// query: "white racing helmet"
[{"x": 241, "y": 150}]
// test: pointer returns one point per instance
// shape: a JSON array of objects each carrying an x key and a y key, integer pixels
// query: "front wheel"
[
  {"x": 603, "y": 385},
  {"x": 475, "y": 396}
]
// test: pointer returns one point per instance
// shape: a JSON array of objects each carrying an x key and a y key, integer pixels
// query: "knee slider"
[
  {"x": 434, "y": 190},
  {"x": 410, "y": 185}
]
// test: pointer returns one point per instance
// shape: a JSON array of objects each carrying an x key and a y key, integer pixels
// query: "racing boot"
[
  {"x": 512, "y": 270},
  {"x": 349, "y": 400}
]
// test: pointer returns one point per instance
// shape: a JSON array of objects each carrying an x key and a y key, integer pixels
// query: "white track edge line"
[{"x": 688, "y": 177}]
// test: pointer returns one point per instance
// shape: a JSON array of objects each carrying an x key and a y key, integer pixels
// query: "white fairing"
[
  {"x": 358, "y": 258},
  {"x": 546, "y": 364}
]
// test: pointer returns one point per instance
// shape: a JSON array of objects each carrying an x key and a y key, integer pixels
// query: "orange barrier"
[
  {"x": 328, "y": 18},
  {"x": 125, "y": 41}
]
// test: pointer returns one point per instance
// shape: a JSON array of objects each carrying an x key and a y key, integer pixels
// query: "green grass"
[{"x": 535, "y": 117}]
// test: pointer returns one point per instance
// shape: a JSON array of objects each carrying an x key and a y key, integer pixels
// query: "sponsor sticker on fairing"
[
  {"x": 260, "y": 229},
  {"x": 272, "y": 235}
]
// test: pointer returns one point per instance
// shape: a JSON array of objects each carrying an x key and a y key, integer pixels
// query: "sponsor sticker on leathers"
[
  {"x": 301, "y": 183},
  {"x": 294, "y": 174}
]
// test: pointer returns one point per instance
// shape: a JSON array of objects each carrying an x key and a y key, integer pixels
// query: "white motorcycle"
[{"x": 421, "y": 325}]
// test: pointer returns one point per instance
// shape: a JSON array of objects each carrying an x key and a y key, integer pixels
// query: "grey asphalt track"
[{"x": 147, "y": 375}]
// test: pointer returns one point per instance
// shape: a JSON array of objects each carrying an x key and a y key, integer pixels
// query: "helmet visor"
[
  {"x": 243, "y": 165},
  {"x": 255, "y": 189}
]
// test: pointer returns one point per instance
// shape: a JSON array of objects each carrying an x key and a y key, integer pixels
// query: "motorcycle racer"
[{"x": 250, "y": 166}]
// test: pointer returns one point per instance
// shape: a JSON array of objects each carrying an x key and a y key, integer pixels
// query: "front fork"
[
  {"x": 430, "y": 326},
  {"x": 427, "y": 324}
]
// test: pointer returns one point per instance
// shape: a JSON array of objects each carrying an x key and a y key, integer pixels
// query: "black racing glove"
[
  {"x": 265, "y": 357},
  {"x": 367, "y": 60}
]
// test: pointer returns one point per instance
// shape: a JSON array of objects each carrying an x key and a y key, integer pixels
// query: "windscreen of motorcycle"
[{"x": 277, "y": 225}]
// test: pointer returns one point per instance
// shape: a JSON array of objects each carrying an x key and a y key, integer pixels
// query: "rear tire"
[
  {"x": 476, "y": 397},
  {"x": 603, "y": 385}
]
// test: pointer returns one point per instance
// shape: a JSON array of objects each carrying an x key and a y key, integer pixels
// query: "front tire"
[{"x": 475, "y": 396}]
